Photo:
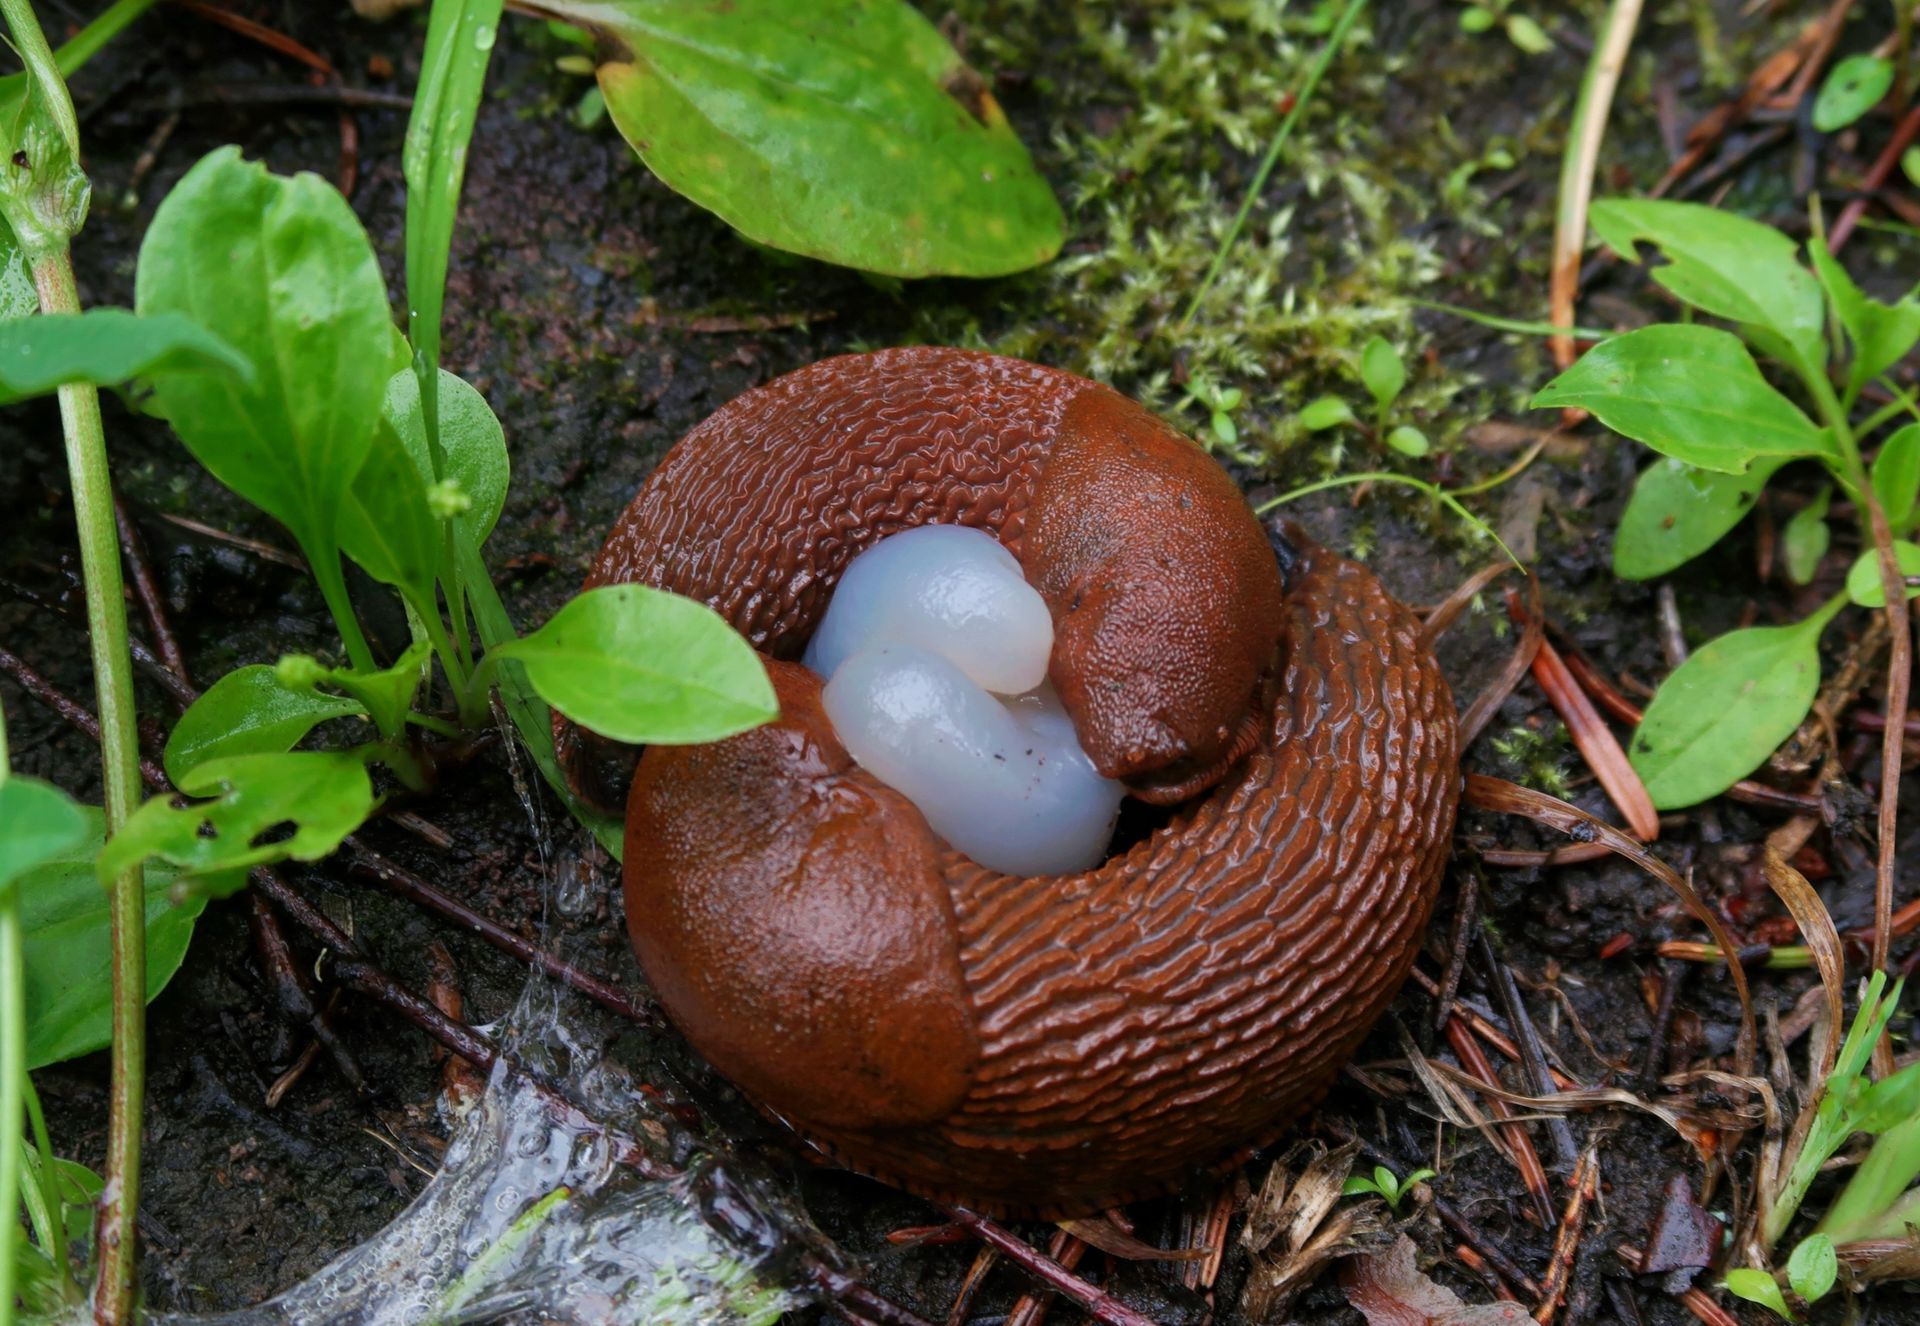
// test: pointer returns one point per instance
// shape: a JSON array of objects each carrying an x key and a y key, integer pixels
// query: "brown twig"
[
  {"x": 1519, "y": 1143},
  {"x": 1481, "y": 711},
  {"x": 1465, "y": 914},
  {"x": 1533, "y": 1057},
  {"x": 146, "y": 590},
  {"x": 1591, "y": 736},
  {"x": 1098, "y": 1304},
  {"x": 983, "y": 1262},
  {"x": 1876, "y": 176},
  {"x": 1695, "y": 1299},
  {"x": 1566, "y": 1240},
  {"x": 1486, "y": 1030},
  {"x": 1030, "y": 1309},
  {"x": 290, "y": 990}
]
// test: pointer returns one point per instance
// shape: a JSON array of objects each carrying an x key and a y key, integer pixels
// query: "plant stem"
[
  {"x": 333, "y": 589},
  {"x": 13, "y": 1073},
  {"x": 120, "y": 778},
  {"x": 1876, "y": 531},
  {"x": 87, "y": 42},
  {"x": 1434, "y": 491},
  {"x": 1577, "y": 168},
  {"x": 1321, "y": 63}
]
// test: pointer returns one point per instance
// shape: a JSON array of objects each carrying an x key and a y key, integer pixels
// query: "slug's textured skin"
[{"x": 1030, "y": 1045}]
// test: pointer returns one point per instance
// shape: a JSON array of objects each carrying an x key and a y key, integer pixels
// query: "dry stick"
[
  {"x": 152, "y": 606},
  {"x": 1566, "y": 1240},
  {"x": 1481, "y": 711},
  {"x": 1486, "y": 1030},
  {"x": 1579, "y": 164},
  {"x": 983, "y": 1262},
  {"x": 1519, "y": 1143},
  {"x": 1592, "y": 737},
  {"x": 1876, "y": 176},
  {"x": 1533, "y": 1057},
  {"x": 1467, "y": 907},
  {"x": 1030, "y": 1309},
  {"x": 1497, "y": 794},
  {"x": 290, "y": 990},
  {"x": 1899, "y": 679},
  {"x": 1448, "y": 1213},
  {"x": 1099, "y": 1304}
]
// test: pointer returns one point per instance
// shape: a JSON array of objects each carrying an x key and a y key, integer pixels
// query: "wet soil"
[{"x": 602, "y": 316}]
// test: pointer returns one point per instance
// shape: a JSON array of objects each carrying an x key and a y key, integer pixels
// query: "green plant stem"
[
  {"x": 13, "y": 1075},
  {"x": 1861, "y": 1210},
  {"x": 87, "y": 42},
  {"x": 1321, "y": 63},
  {"x": 1434, "y": 491},
  {"x": 1877, "y": 533},
  {"x": 120, "y": 778},
  {"x": 1893, "y": 409},
  {"x": 54, "y": 1237},
  {"x": 333, "y": 590}
]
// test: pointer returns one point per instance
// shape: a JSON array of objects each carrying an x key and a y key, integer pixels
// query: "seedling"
[
  {"x": 1385, "y": 1186},
  {"x": 1219, "y": 403},
  {"x": 1384, "y": 374},
  {"x": 1696, "y": 394},
  {"x": 1811, "y": 1272},
  {"x": 1523, "y": 32}
]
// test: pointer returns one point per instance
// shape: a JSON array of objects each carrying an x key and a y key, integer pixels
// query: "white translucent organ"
[{"x": 935, "y": 650}]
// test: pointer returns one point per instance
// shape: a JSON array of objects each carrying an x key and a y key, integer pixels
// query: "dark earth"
[{"x": 602, "y": 316}]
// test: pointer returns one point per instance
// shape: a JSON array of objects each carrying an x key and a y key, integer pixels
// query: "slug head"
[{"x": 1165, "y": 594}]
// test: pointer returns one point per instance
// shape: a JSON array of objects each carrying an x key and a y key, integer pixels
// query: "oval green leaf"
[
  {"x": 67, "y": 942},
  {"x": 1896, "y": 476},
  {"x": 1806, "y": 538},
  {"x": 1813, "y": 1267},
  {"x": 845, "y": 130},
  {"x": 640, "y": 665},
  {"x": 1678, "y": 511},
  {"x": 1720, "y": 714},
  {"x": 1325, "y": 412},
  {"x": 1383, "y": 371},
  {"x": 107, "y": 346},
  {"x": 1757, "y": 1287},
  {"x": 1863, "y": 577},
  {"x": 281, "y": 269},
  {"x": 1853, "y": 87},
  {"x": 250, "y": 711},
  {"x": 1690, "y": 392},
  {"x": 470, "y": 435}
]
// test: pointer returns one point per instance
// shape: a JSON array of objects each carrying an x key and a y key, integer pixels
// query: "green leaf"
[
  {"x": 250, "y": 711},
  {"x": 1720, "y": 714},
  {"x": 473, "y": 444},
  {"x": 1528, "y": 35},
  {"x": 1358, "y": 1184},
  {"x": 387, "y": 694},
  {"x": 1723, "y": 264},
  {"x": 387, "y": 526},
  {"x": 1326, "y": 412},
  {"x": 453, "y": 68},
  {"x": 1757, "y": 1287},
  {"x": 1813, "y": 1267},
  {"x": 1910, "y": 165},
  {"x": 1863, "y": 577},
  {"x": 1678, "y": 511},
  {"x": 67, "y": 935},
  {"x": 1475, "y": 19},
  {"x": 1383, "y": 372},
  {"x": 1693, "y": 393},
  {"x": 1409, "y": 441},
  {"x": 106, "y": 346},
  {"x": 1807, "y": 537},
  {"x": 1853, "y": 87},
  {"x": 1893, "y": 1100},
  {"x": 322, "y": 795},
  {"x": 845, "y": 130},
  {"x": 1881, "y": 333},
  {"x": 1896, "y": 475},
  {"x": 639, "y": 665},
  {"x": 280, "y": 268},
  {"x": 38, "y": 823}
]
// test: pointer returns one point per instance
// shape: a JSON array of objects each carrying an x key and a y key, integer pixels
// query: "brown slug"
[{"x": 1044, "y": 1045}]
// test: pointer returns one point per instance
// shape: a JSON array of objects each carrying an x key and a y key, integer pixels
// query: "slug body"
[{"x": 1031, "y": 1045}]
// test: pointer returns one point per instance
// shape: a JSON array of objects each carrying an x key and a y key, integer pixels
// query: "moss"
[
  {"x": 1537, "y": 757},
  {"x": 1151, "y": 135}
]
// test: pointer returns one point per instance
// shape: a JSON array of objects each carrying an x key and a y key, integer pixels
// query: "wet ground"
[{"x": 602, "y": 316}]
